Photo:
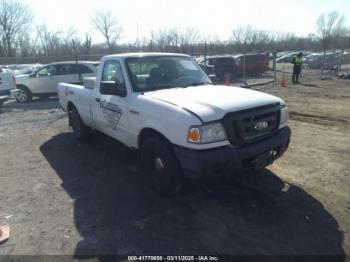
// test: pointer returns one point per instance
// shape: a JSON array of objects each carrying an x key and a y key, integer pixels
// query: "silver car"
[{"x": 44, "y": 81}]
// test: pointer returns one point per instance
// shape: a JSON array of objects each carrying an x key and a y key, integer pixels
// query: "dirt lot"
[{"x": 64, "y": 197}]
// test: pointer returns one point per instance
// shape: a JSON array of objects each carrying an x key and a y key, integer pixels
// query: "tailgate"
[{"x": 7, "y": 82}]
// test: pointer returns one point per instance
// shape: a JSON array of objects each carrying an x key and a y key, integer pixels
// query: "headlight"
[
  {"x": 209, "y": 133},
  {"x": 284, "y": 115}
]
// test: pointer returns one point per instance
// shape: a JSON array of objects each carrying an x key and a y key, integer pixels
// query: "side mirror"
[{"x": 112, "y": 88}]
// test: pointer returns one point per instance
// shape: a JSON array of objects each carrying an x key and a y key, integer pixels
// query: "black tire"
[
  {"x": 161, "y": 166},
  {"x": 24, "y": 95},
  {"x": 81, "y": 131}
]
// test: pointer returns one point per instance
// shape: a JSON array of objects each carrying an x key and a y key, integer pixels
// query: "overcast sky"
[{"x": 216, "y": 17}]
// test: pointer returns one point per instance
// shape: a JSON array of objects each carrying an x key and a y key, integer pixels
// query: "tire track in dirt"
[{"x": 318, "y": 119}]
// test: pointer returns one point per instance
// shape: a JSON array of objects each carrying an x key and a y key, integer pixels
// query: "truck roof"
[
  {"x": 146, "y": 54},
  {"x": 74, "y": 62}
]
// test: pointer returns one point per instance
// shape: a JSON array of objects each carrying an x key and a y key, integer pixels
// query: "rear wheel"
[
  {"x": 161, "y": 166},
  {"x": 24, "y": 95},
  {"x": 81, "y": 131}
]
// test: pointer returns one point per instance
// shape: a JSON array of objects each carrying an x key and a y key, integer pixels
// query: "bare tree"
[
  {"x": 14, "y": 17},
  {"x": 188, "y": 38},
  {"x": 109, "y": 26},
  {"x": 328, "y": 28},
  {"x": 87, "y": 44},
  {"x": 247, "y": 37},
  {"x": 44, "y": 35},
  {"x": 166, "y": 39},
  {"x": 24, "y": 43}
]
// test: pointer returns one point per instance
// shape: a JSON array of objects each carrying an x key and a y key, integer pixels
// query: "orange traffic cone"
[{"x": 283, "y": 82}]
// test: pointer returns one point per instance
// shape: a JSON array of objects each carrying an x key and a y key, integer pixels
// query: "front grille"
[{"x": 246, "y": 125}]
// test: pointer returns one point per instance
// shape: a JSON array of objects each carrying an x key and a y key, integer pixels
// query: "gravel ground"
[{"x": 60, "y": 196}]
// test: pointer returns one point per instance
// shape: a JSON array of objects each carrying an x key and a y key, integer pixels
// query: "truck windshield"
[{"x": 162, "y": 72}]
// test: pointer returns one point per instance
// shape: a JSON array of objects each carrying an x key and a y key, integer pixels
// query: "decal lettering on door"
[{"x": 112, "y": 113}]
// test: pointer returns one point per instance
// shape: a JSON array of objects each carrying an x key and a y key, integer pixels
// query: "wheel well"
[
  {"x": 146, "y": 133},
  {"x": 70, "y": 106},
  {"x": 24, "y": 87}
]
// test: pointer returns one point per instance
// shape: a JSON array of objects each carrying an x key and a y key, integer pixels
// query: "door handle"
[{"x": 98, "y": 100}]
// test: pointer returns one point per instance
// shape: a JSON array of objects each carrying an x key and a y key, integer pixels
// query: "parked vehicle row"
[
  {"x": 41, "y": 81},
  {"x": 183, "y": 126},
  {"x": 328, "y": 61},
  {"x": 228, "y": 67}
]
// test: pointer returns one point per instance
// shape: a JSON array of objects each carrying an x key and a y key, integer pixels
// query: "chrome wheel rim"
[
  {"x": 21, "y": 96},
  {"x": 159, "y": 165}
]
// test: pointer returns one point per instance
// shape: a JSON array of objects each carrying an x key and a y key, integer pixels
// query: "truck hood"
[{"x": 211, "y": 102}]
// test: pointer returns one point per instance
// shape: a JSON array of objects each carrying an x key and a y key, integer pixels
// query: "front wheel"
[
  {"x": 24, "y": 95},
  {"x": 161, "y": 166}
]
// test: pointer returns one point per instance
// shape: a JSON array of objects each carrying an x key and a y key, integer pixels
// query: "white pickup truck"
[
  {"x": 182, "y": 125},
  {"x": 7, "y": 87}
]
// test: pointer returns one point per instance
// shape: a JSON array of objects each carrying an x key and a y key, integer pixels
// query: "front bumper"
[
  {"x": 203, "y": 163},
  {"x": 14, "y": 93}
]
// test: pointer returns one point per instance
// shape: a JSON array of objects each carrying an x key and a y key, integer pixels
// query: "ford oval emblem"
[{"x": 261, "y": 126}]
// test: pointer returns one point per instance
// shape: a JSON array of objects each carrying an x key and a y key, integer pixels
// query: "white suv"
[{"x": 43, "y": 82}]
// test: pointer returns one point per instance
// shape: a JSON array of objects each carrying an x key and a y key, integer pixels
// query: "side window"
[
  {"x": 112, "y": 71},
  {"x": 65, "y": 69},
  {"x": 47, "y": 71},
  {"x": 83, "y": 69}
]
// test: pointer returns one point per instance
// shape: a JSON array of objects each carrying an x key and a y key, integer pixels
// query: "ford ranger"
[{"x": 183, "y": 126}]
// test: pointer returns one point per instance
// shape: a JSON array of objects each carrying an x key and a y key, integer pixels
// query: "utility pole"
[
  {"x": 76, "y": 61},
  {"x": 137, "y": 36},
  {"x": 274, "y": 65},
  {"x": 244, "y": 56},
  {"x": 205, "y": 55}
]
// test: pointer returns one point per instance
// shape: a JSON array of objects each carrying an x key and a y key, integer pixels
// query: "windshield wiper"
[{"x": 198, "y": 84}]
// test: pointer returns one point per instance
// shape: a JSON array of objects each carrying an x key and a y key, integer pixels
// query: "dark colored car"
[
  {"x": 224, "y": 67},
  {"x": 255, "y": 64}
]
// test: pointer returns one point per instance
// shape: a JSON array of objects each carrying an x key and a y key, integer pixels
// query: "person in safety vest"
[{"x": 297, "y": 62}]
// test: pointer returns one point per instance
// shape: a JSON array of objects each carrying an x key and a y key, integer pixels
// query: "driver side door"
[
  {"x": 110, "y": 107},
  {"x": 43, "y": 80}
]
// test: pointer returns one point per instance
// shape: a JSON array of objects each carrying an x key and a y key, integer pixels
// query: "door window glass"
[
  {"x": 83, "y": 69},
  {"x": 112, "y": 71},
  {"x": 47, "y": 71},
  {"x": 65, "y": 69}
]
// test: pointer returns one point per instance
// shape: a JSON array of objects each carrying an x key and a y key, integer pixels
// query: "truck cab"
[{"x": 182, "y": 125}]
